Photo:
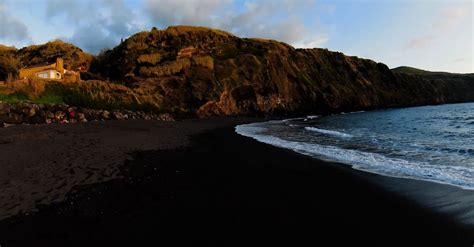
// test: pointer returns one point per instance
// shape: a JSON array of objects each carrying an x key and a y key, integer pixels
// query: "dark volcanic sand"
[
  {"x": 221, "y": 189},
  {"x": 40, "y": 164}
]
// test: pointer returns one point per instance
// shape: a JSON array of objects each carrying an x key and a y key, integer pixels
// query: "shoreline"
[
  {"x": 443, "y": 197},
  {"x": 200, "y": 177},
  {"x": 263, "y": 138}
]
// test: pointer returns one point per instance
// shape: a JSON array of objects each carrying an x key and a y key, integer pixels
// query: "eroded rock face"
[{"x": 211, "y": 72}]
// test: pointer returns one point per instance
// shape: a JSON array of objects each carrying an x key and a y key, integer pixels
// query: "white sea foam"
[
  {"x": 310, "y": 117},
  {"x": 288, "y": 119},
  {"x": 370, "y": 162},
  {"x": 329, "y": 132},
  {"x": 352, "y": 112}
]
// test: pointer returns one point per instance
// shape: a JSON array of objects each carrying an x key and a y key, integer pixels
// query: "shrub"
[
  {"x": 13, "y": 98},
  {"x": 151, "y": 59}
]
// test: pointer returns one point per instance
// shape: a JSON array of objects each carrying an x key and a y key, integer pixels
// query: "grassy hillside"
[
  {"x": 410, "y": 70},
  {"x": 73, "y": 56},
  {"x": 91, "y": 94},
  {"x": 11, "y": 59}
]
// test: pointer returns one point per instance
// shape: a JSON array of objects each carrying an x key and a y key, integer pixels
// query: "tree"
[{"x": 9, "y": 66}]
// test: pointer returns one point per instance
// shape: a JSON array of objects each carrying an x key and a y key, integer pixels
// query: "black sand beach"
[{"x": 195, "y": 182}]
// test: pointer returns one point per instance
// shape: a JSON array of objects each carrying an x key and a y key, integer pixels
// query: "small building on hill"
[{"x": 45, "y": 71}]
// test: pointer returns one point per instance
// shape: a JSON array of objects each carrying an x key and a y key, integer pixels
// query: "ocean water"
[{"x": 434, "y": 143}]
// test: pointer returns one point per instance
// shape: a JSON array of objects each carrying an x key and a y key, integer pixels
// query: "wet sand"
[{"x": 197, "y": 182}]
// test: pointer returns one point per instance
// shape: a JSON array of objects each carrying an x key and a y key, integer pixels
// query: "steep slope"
[
  {"x": 451, "y": 87},
  {"x": 211, "y": 72}
]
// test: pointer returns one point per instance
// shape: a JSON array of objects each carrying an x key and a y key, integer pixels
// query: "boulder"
[
  {"x": 81, "y": 117},
  {"x": 105, "y": 115},
  {"x": 14, "y": 118},
  {"x": 166, "y": 117},
  {"x": 30, "y": 111},
  {"x": 117, "y": 115},
  {"x": 59, "y": 116}
]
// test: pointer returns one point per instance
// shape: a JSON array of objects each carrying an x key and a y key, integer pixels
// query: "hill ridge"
[{"x": 205, "y": 71}]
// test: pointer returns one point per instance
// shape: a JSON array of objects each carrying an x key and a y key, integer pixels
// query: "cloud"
[
  {"x": 263, "y": 19},
  {"x": 420, "y": 42},
  {"x": 459, "y": 60},
  {"x": 260, "y": 19},
  {"x": 70, "y": 9},
  {"x": 446, "y": 21},
  {"x": 120, "y": 19},
  {"x": 185, "y": 12},
  {"x": 11, "y": 28},
  {"x": 99, "y": 24},
  {"x": 92, "y": 39},
  {"x": 291, "y": 31},
  {"x": 451, "y": 17}
]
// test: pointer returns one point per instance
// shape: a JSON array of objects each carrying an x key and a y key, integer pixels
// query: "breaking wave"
[
  {"x": 329, "y": 132},
  {"x": 398, "y": 143}
]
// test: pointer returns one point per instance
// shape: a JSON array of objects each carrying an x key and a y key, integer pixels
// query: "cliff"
[
  {"x": 202, "y": 71},
  {"x": 211, "y": 72}
]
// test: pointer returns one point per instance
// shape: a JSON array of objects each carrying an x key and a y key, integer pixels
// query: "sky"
[{"x": 434, "y": 35}]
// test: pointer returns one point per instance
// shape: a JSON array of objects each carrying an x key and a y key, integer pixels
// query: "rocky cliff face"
[
  {"x": 195, "y": 70},
  {"x": 212, "y": 72}
]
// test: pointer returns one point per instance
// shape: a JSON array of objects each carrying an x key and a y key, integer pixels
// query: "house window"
[
  {"x": 58, "y": 75},
  {"x": 43, "y": 75}
]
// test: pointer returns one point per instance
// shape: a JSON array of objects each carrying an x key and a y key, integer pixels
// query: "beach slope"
[{"x": 198, "y": 182}]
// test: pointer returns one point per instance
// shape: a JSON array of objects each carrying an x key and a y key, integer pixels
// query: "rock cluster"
[{"x": 31, "y": 113}]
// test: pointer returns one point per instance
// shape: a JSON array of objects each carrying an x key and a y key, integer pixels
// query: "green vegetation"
[
  {"x": 303, "y": 77},
  {"x": 13, "y": 98},
  {"x": 93, "y": 94},
  {"x": 9, "y": 63},
  {"x": 151, "y": 59},
  {"x": 410, "y": 70},
  {"x": 73, "y": 56},
  {"x": 49, "y": 99},
  {"x": 226, "y": 51},
  {"x": 79, "y": 97},
  {"x": 176, "y": 30},
  {"x": 49, "y": 96}
]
